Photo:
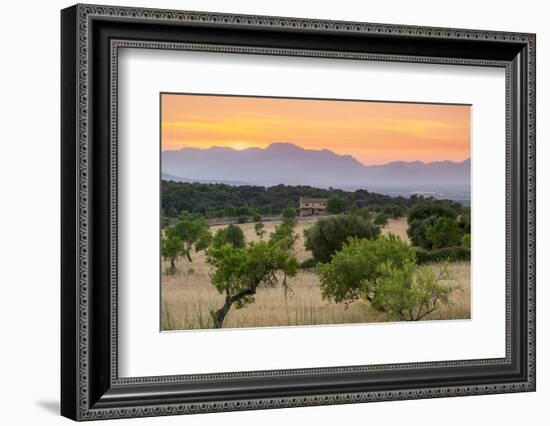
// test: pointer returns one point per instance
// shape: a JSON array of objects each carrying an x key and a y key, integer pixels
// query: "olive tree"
[
  {"x": 259, "y": 229},
  {"x": 393, "y": 210},
  {"x": 284, "y": 234},
  {"x": 328, "y": 235},
  {"x": 417, "y": 232},
  {"x": 342, "y": 279},
  {"x": 384, "y": 273},
  {"x": 171, "y": 249},
  {"x": 411, "y": 292},
  {"x": 193, "y": 233},
  {"x": 289, "y": 213},
  {"x": 425, "y": 214},
  {"x": 336, "y": 204},
  {"x": 444, "y": 232},
  {"x": 239, "y": 272},
  {"x": 364, "y": 212},
  {"x": 381, "y": 219},
  {"x": 232, "y": 234}
]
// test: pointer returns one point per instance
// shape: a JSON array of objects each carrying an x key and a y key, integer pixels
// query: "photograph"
[{"x": 280, "y": 212}]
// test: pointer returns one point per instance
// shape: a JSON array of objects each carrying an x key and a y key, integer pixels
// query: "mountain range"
[{"x": 285, "y": 163}]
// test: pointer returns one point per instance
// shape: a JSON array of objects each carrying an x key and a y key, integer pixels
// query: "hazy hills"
[{"x": 289, "y": 164}]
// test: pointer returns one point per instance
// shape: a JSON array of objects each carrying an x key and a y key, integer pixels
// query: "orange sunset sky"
[{"x": 372, "y": 132}]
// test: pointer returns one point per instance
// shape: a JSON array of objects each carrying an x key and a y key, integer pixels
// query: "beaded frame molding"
[{"x": 91, "y": 39}]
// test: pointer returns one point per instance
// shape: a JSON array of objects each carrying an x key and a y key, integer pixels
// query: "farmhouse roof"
[{"x": 312, "y": 200}]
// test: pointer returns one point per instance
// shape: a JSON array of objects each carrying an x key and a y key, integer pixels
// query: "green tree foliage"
[
  {"x": 381, "y": 219},
  {"x": 464, "y": 221},
  {"x": 257, "y": 217},
  {"x": 342, "y": 279},
  {"x": 409, "y": 292},
  {"x": 466, "y": 241},
  {"x": 239, "y": 272},
  {"x": 336, "y": 204},
  {"x": 445, "y": 232},
  {"x": 393, "y": 211},
  {"x": 202, "y": 198},
  {"x": 243, "y": 211},
  {"x": 229, "y": 211},
  {"x": 284, "y": 234},
  {"x": 193, "y": 233},
  {"x": 212, "y": 214},
  {"x": 289, "y": 213},
  {"x": 424, "y": 214},
  {"x": 438, "y": 208},
  {"x": 172, "y": 212},
  {"x": 172, "y": 248},
  {"x": 308, "y": 264},
  {"x": 384, "y": 273},
  {"x": 417, "y": 232},
  {"x": 259, "y": 228},
  {"x": 446, "y": 254},
  {"x": 232, "y": 234},
  {"x": 364, "y": 212},
  {"x": 328, "y": 235}
]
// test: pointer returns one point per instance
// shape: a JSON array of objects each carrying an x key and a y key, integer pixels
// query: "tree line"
[{"x": 220, "y": 200}]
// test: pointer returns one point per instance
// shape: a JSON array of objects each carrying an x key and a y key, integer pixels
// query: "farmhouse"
[{"x": 312, "y": 206}]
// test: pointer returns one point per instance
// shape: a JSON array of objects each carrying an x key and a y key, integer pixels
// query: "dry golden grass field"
[{"x": 188, "y": 297}]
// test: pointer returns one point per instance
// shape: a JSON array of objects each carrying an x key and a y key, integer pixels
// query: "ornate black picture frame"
[{"x": 91, "y": 36}]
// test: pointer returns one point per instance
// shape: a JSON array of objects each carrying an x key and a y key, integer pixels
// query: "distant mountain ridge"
[{"x": 285, "y": 163}]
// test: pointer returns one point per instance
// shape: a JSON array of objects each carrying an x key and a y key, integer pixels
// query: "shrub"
[
  {"x": 308, "y": 264},
  {"x": 424, "y": 215},
  {"x": 172, "y": 212},
  {"x": 335, "y": 204},
  {"x": 447, "y": 254},
  {"x": 229, "y": 211},
  {"x": 193, "y": 233},
  {"x": 289, "y": 213},
  {"x": 242, "y": 211},
  {"x": 409, "y": 293},
  {"x": 364, "y": 212},
  {"x": 259, "y": 229},
  {"x": 242, "y": 219},
  {"x": 466, "y": 241},
  {"x": 257, "y": 217},
  {"x": 342, "y": 279},
  {"x": 328, "y": 235},
  {"x": 437, "y": 208},
  {"x": 381, "y": 219},
  {"x": 444, "y": 233},
  {"x": 417, "y": 232},
  {"x": 464, "y": 221},
  {"x": 384, "y": 273},
  {"x": 284, "y": 234},
  {"x": 230, "y": 235},
  {"x": 393, "y": 210}
]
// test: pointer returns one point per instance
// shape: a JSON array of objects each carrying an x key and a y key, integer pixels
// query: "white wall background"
[{"x": 29, "y": 213}]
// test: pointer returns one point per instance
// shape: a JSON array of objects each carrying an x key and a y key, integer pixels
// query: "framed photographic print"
[{"x": 263, "y": 212}]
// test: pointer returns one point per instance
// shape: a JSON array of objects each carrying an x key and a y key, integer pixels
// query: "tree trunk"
[
  {"x": 219, "y": 315},
  {"x": 172, "y": 263},
  {"x": 189, "y": 257}
]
